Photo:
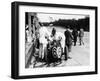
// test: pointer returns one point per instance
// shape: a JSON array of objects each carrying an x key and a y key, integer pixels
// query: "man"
[
  {"x": 68, "y": 40},
  {"x": 75, "y": 34},
  {"x": 53, "y": 33},
  {"x": 81, "y": 35}
]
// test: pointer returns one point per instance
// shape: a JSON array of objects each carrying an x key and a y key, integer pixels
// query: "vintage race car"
[{"x": 55, "y": 52}]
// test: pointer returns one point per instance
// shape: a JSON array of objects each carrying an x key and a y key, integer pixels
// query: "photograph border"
[{"x": 15, "y": 39}]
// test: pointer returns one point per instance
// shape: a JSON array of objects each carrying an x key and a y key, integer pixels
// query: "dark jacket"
[
  {"x": 68, "y": 37},
  {"x": 75, "y": 33}
]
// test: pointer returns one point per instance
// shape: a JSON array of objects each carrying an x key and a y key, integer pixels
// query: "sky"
[{"x": 52, "y": 17}]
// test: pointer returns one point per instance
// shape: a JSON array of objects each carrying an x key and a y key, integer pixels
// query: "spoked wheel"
[
  {"x": 54, "y": 52},
  {"x": 59, "y": 52}
]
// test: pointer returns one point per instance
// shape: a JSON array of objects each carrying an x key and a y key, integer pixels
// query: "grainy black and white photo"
[
  {"x": 52, "y": 40},
  {"x": 56, "y": 40}
]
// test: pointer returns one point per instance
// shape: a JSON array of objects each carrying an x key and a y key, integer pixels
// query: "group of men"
[
  {"x": 72, "y": 37},
  {"x": 79, "y": 34}
]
